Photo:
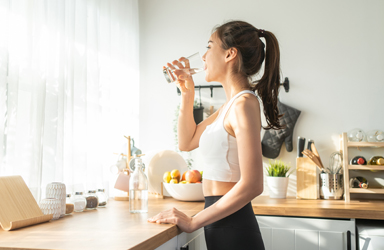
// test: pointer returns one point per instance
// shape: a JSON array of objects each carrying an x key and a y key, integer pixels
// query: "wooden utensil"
[
  {"x": 314, "y": 150},
  {"x": 313, "y": 158}
]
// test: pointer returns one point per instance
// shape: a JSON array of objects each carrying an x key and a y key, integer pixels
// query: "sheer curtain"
[{"x": 69, "y": 83}]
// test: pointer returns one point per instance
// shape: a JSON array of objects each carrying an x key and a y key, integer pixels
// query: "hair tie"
[{"x": 261, "y": 33}]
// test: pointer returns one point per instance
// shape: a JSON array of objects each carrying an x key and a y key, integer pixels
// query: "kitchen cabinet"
[
  {"x": 370, "y": 234},
  {"x": 345, "y": 144},
  {"x": 288, "y": 233},
  {"x": 292, "y": 233},
  {"x": 195, "y": 241}
]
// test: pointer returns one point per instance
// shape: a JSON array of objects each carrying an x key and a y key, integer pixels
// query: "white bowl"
[{"x": 185, "y": 192}]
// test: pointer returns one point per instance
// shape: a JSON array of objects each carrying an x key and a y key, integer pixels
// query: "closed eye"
[{"x": 208, "y": 47}]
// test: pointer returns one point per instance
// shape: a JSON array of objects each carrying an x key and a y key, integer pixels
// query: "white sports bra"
[{"x": 219, "y": 149}]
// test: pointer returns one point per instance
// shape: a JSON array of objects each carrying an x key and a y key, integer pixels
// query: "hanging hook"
[{"x": 285, "y": 84}]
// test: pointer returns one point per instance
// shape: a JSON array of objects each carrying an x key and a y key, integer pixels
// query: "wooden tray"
[{"x": 18, "y": 207}]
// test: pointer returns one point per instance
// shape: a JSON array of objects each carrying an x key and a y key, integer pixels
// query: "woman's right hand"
[{"x": 184, "y": 80}]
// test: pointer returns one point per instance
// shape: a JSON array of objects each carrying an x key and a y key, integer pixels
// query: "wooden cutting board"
[
  {"x": 18, "y": 207},
  {"x": 307, "y": 179}
]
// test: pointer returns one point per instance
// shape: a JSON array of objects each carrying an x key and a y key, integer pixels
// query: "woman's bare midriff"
[{"x": 215, "y": 188}]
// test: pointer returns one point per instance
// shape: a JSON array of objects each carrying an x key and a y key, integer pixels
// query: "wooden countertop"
[
  {"x": 356, "y": 209},
  {"x": 113, "y": 227}
]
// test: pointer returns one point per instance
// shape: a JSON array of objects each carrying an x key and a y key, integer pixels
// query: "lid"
[
  {"x": 78, "y": 193},
  {"x": 91, "y": 191}
]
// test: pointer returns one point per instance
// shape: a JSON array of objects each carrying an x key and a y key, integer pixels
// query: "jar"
[
  {"x": 51, "y": 206},
  {"x": 92, "y": 200},
  {"x": 69, "y": 206},
  {"x": 57, "y": 190},
  {"x": 102, "y": 196},
  {"x": 79, "y": 202}
]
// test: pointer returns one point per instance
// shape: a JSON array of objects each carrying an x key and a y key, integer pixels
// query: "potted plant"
[{"x": 277, "y": 179}]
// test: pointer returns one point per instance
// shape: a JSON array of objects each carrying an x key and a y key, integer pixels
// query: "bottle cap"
[{"x": 360, "y": 161}]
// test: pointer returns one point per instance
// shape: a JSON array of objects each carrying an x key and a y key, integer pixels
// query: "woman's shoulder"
[{"x": 247, "y": 101}]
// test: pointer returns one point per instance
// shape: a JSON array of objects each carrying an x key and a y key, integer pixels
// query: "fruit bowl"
[{"x": 185, "y": 192}]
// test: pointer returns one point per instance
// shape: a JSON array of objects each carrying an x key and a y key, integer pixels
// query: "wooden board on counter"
[{"x": 18, "y": 207}]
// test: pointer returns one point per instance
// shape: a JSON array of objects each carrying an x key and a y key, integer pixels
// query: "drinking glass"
[{"x": 193, "y": 65}]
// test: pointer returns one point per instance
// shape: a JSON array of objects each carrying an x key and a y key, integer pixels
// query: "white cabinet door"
[
  {"x": 169, "y": 245},
  {"x": 293, "y": 233},
  {"x": 195, "y": 240}
]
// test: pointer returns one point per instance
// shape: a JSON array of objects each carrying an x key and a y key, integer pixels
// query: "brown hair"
[{"x": 246, "y": 39}]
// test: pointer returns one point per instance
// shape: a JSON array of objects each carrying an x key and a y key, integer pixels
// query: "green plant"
[{"x": 278, "y": 168}]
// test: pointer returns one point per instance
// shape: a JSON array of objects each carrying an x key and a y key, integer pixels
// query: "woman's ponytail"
[{"x": 267, "y": 87}]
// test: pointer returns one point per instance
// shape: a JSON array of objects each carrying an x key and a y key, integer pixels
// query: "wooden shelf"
[
  {"x": 344, "y": 146},
  {"x": 365, "y": 144},
  {"x": 365, "y": 167},
  {"x": 367, "y": 191}
]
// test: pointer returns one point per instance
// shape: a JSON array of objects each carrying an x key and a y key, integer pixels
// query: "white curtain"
[{"x": 69, "y": 84}]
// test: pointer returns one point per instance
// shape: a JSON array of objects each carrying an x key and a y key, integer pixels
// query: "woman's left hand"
[{"x": 174, "y": 216}]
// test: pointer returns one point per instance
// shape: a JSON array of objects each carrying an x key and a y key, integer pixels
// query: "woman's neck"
[{"x": 232, "y": 87}]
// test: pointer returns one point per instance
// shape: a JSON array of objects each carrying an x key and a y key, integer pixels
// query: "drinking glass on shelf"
[{"x": 194, "y": 64}]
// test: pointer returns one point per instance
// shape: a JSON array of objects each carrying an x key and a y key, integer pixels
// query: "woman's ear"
[{"x": 230, "y": 54}]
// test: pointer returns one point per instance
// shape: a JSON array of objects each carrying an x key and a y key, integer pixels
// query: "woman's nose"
[{"x": 204, "y": 56}]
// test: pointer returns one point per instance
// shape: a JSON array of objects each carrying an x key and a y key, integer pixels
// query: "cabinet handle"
[{"x": 349, "y": 240}]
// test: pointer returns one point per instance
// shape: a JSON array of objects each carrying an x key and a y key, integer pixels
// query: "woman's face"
[{"x": 214, "y": 60}]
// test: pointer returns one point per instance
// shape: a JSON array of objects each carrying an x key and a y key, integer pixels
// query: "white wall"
[{"x": 332, "y": 52}]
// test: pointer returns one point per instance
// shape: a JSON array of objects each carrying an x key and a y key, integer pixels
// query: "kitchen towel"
[{"x": 273, "y": 139}]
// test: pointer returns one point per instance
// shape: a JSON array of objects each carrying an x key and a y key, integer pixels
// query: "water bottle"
[{"x": 138, "y": 189}]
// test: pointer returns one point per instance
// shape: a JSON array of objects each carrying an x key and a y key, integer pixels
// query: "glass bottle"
[
  {"x": 358, "y": 182},
  {"x": 356, "y": 135},
  {"x": 138, "y": 189},
  {"x": 69, "y": 206},
  {"x": 375, "y": 136},
  {"x": 358, "y": 160},
  {"x": 101, "y": 195},
  {"x": 79, "y": 202},
  {"x": 376, "y": 160},
  {"x": 92, "y": 200}
]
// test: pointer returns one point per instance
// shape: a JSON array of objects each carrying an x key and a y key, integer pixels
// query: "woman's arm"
[
  {"x": 245, "y": 122},
  {"x": 187, "y": 131}
]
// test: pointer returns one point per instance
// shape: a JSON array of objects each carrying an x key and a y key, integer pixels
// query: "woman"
[{"x": 230, "y": 138}]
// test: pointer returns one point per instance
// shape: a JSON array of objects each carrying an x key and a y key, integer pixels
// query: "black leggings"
[{"x": 239, "y": 230}]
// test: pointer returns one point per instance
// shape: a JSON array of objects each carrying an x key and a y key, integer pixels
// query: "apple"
[{"x": 193, "y": 176}]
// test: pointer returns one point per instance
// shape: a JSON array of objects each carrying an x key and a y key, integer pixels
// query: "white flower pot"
[{"x": 278, "y": 187}]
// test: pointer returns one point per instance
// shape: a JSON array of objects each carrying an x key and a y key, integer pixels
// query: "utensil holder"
[
  {"x": 332, "y": 187},
  {"x": 307, "y": 179}
]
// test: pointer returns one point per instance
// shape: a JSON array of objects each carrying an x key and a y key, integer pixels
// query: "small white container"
[
  {"x": 57, "y": 190},
  {"x": 51, "y": 206}
]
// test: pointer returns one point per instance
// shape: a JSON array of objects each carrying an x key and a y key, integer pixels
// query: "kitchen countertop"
[{"x": 113, "y": 227}]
